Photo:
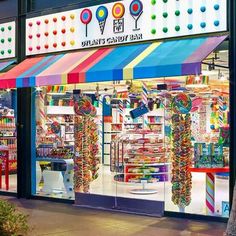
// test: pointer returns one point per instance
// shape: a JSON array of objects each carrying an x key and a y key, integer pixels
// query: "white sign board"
[
  {"x": 7, "y": 40},
  {"x": 124, "y": 22}
]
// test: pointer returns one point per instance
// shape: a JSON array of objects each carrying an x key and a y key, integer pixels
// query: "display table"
[
  {"x": 210, "y": 185},
  {"x": 67, "y": 174}
]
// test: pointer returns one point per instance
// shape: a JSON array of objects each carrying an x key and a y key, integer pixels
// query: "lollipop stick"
[{"x": 86, "y": 30}]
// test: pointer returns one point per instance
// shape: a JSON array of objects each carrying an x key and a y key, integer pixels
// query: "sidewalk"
[{"x": 56, "y": 219}]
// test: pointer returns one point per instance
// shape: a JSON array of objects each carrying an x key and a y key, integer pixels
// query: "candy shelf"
[
  {"x": 141, "y": 156},
  {"x": 8, "y": 139}
]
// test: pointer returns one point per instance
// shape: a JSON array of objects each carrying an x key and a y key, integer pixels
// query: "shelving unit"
[{"x": 8, "y": 139}]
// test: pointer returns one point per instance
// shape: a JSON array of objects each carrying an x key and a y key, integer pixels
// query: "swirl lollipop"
[
  {"x": 101, "y": 15},
  {"x": 136, "y": 10},
  {"x": 181, "y": 104},
  {"x": 86, "y": 17}
]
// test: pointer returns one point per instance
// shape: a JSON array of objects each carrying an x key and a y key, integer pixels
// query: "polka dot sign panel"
[
  {"x": 173, "y": 18},
  {"x": 7, "y": 40},
  {"x": 123, "y": 22}
]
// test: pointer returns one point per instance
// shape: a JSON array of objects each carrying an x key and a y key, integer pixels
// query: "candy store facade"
[{"x": 129, "y": 107}]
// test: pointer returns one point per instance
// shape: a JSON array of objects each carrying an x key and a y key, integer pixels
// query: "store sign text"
[{"x": 112, "y": 40}]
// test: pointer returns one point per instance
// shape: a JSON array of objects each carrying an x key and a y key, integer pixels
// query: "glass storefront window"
[
  {"x": 8, "y": 141},
  {"x": 160, "y": 141}
]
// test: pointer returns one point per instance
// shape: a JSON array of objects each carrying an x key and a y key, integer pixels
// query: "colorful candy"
[{"x": 181, "y": 160}]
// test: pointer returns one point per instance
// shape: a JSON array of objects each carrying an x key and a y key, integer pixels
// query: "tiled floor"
[{"x": 57, "y": 219}]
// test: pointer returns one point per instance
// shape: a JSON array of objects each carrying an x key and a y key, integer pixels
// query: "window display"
[
  {"x": 161, "y": 139},
  {"x": 8, "y": 142}
]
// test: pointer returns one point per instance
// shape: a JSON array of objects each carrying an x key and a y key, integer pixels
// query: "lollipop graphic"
[
  {"x": 136, "y": 10},
  {"x": 86, "y": 17},
  {"x": 118, "y": 12},
  {"x": 101, "y": 15}
]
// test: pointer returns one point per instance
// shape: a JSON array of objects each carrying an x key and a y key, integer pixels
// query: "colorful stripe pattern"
[
  {"x": 5, "y": 64},
  {"x": 138, "y": 61},
  {"x": 210, "y": 193}
]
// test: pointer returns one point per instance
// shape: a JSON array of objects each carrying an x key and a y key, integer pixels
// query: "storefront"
[{"x": 142, "y": 127}]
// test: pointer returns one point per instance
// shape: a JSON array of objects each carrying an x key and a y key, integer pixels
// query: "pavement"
[{"x": 60, "y": 219}]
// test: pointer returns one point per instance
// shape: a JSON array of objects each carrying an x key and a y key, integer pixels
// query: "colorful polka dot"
[
  {"x": 165, "y": 14},
  {"x": 177, "y": 12},
  {"x": 165, "y": 29},
  {"x": 190, "y": 11},
  {"x": 153, "y": 17},
  {"x": 203, "y": 9},
  {"x": 216, "y": 23},
  {"x": 177, "y": 28},
  {"x": 216, "y": 7},
  {"x": 203, "y": 24},
  {"x": 153, "y": 31},
  {"x": 190, "y": 26}
]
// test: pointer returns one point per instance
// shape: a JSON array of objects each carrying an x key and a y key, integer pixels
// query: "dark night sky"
[{"x": 8, "y": 8}]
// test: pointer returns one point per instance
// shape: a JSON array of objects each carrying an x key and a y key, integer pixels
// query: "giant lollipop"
[
  {"x": 136, "y": 10},
  {"x": 101, "y": 15},
  {"x": 86, "y": 17},
  {"x": 181, "y": 104}
]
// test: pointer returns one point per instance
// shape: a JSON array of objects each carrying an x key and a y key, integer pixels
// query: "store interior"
[{"x": 160, "y": 139}]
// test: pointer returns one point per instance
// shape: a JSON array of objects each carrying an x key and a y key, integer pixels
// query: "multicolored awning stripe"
[
  {"x": 5, "y": 64},
  {"x": 148, "y": 60}
]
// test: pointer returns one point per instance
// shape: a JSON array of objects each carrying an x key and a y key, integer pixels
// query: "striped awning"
[
  {"x": 5, "y": 64},
  {"x": 148, "y": 60}
]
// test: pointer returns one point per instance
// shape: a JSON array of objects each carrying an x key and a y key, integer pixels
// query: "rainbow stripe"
[
  {"x": 210, "y": 193},
  {"x": 137, "y": 61},
  {"x": 5, "y": 64}
]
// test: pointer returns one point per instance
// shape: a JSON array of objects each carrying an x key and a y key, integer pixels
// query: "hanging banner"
[
  {"x": 7, "y": 40},
  {"x": 123, "y": 22}
]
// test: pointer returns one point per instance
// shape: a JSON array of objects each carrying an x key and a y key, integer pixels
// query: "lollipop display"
[
  {"x": 181, "y": 152},
  {"x": 101, "y": 15},
  {"x": 86, "y": 148},
  {"x": 182, "y": 104}
]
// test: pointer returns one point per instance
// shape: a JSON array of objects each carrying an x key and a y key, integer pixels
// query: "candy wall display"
[
  {"x": 123, "y": 22},
  {"x": 214, "y": 120},
  {"x": 7, "y": 40},
  {"x": 86, "y": 148},
  {"x": 181, "y": 151}
]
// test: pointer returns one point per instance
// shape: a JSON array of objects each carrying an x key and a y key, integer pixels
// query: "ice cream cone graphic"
[
  {"x": 102, "y": 26},
  {"x": 101, "y": 15}
]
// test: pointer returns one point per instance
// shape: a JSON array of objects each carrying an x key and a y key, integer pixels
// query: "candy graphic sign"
[
  {"x": 124, "y": 22},
  {"x": 7, "y": 40}
]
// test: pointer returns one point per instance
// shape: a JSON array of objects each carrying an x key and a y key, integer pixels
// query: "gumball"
[
  {"x": 212, "y": 127},
  {"x": 224, "y": 108}
]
